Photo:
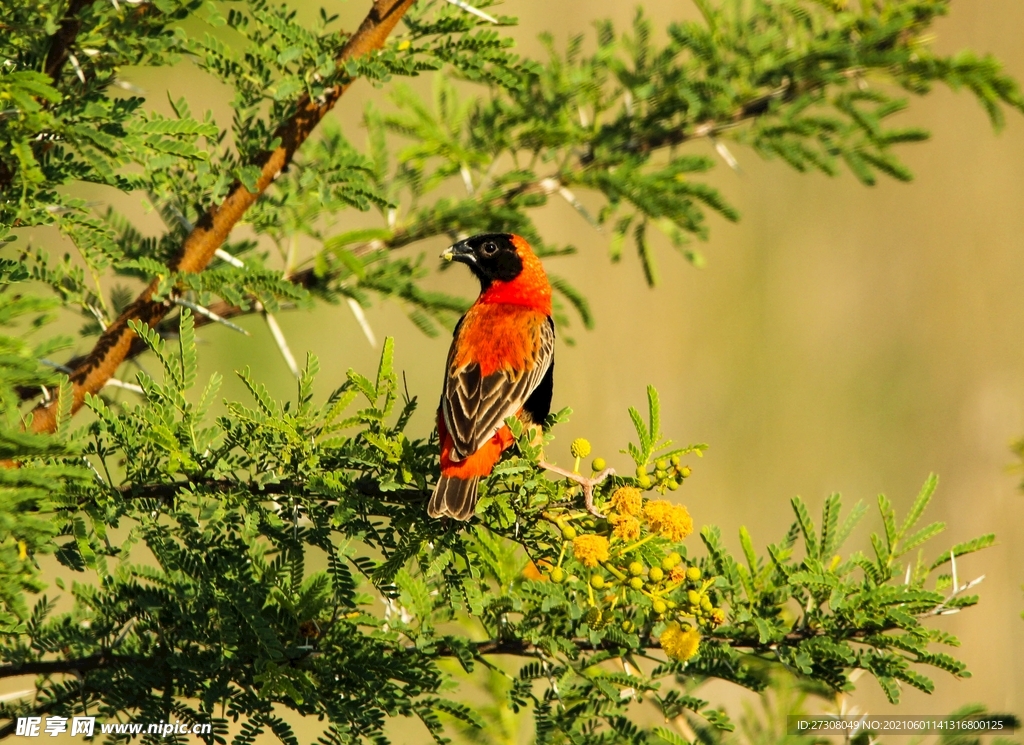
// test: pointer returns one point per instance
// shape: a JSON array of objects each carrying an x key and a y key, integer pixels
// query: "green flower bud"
[
  {"x": 599, "y": 464},
  {"x": 568, "y": 532},
  {"x": 626, "y": 626},
  {"x": 655, "y": 574},
  {"x": 671, "y": 604},
  {"x": 675, "y": 558},
  {"x": 637, "y": 583},
  {"x": 597, "y": 581},
  {"x": 557, "y": 575},
  {"x": 661, "y": 465},
  {"x": 685, "y": 471},
  {"x": 644, "y": 481},
  {"x": 593, "y": 616},
  {"x": 636, "y": 568},
  {"x": 672, "y": 484},
  {"x": 659, "y": 606},
  {"x": 675, "y": 460},
  {"x": 705, "y": 604},
  {"x": 641, "y": 471},
  {"x": 660, "y": 474},
  {"x": 693, "y": 574},
  {"x": 694, "y": 597}
]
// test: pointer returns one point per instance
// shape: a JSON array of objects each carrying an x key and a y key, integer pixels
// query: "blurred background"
[{"x": 839, "y": 338}]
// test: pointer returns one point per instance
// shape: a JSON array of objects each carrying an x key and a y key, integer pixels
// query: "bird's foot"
[{"x": 587, "y": 484}]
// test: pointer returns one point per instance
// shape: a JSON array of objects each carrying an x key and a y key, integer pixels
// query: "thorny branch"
[{"x": 213, "y": 228}]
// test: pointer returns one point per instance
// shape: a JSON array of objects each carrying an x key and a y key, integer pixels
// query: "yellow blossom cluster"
[
  {"x": 626, "y": 527},
  {"x": 669, "y": 520},
  {"x": 627, "y": 500},
  {"x": 590, "y": 549},
  {"x": 679, "y": 643}
]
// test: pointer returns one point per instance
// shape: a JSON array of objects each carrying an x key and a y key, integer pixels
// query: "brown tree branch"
[
  {"x": 63, "y": 667},
  {"x": 60, "y": 43},
  {"x": 213, "y": 228}
]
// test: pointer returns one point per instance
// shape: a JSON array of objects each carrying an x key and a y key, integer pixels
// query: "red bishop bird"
[{"x": 500, "y": 364}]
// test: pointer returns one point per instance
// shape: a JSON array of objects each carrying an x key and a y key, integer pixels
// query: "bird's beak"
[{"x": 461, "y": 251}]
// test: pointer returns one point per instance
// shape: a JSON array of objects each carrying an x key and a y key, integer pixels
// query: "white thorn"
[
  {"x": 952, "y": 561},
  {"x": 78, "y": 67},
  {"x": 116, "y": 6},
  {"x": 115, "y": 383},
  {"x": 125, "y": 85},
  {"x": 467, "y": 179},
  {"x": 364, "y": 324},
  {"x": 282, "y": 343},
  {"x": 907, "y": 580},
  {"x": 223, "y": 255},
  {"x": 16, "y": 695},
  {"x": 196, "y": 308},
  {"x": 726, "y": 155},
  {"x": 474, "y": 11}
]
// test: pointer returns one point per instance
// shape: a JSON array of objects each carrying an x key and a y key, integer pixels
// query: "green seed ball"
[
  {"x": 675, "y": 558},
  {"x": 667, "y": 564},
  {"x": 693, "y": 574},
  {"x": 662, "y": 464},
  {"x": 675, "y": 460},
  {"x": 599, "y": 464},
  {"x": 636, "y": 583},
  {"x": 644, "y": 481},
  {"x": 593, "y": 616},
  {"x": 597, "y": 581},
  {"x": 641, "y": 471},
  {"x": 568, "y": 532},
  {"x": 557, "y": 575},
  {"x": 626, "y": 626},
  {"x": 655, "y": 574},
  {"x": 671, "y": 604},
  {"x": 636, "y": 568},
  {"x": 685, "y": 471},
  {"x": 659, "y": 606},
  {"x": 673, "y": 484},
  {"x": 694, "y": 597},
  {"x": 705, "y": 604},
  {"x": 660, "y": 474}
]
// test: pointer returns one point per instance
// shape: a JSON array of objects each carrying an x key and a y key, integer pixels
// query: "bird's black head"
[{"x": 491, "y": 256}]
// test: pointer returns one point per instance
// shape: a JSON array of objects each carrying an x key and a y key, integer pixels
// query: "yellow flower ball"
[
  {"x": 590, "y": 549},
  {"x": 679, "y": 643},
  {"x": 580, "y": 448}
]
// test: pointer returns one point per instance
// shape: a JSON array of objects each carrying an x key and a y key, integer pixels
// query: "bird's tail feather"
[{"x": 454, "y": 497}]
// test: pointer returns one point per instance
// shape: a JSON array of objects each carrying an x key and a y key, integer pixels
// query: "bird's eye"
[{"x": 489, "y": 249}]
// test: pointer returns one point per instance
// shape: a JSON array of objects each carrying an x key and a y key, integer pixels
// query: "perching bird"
[{"x": 500, "y": 364}]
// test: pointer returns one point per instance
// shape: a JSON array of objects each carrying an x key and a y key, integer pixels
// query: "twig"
[{"x": 587, "y": 484}]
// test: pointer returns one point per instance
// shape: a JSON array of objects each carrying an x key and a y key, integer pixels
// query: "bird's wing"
[{"x": 475, "y": 406}]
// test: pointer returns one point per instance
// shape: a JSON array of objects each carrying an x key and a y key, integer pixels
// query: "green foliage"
[
  {"x": 288, "y": 522},
  {"x": 278, "y": 558}
]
